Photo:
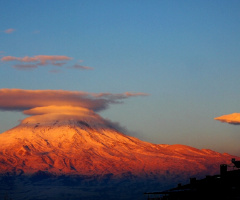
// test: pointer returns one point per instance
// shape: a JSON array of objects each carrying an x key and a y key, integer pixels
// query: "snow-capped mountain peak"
[{"x": 68, "y": 143}]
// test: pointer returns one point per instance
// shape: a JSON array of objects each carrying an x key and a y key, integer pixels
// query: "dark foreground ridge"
[{"x": 225, "y": 186}]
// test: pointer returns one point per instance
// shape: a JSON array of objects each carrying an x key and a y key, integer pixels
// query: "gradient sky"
[{"x": 184, "y": 54}]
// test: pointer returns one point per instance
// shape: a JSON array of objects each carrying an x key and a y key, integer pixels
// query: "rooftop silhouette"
[{"x": 225, "y": 186}]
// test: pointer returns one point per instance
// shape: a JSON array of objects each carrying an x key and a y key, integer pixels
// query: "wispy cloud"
[
  {"x": 233, "y": 118},
  {"x": 81, "y": 67},
  {"x": 8, "y": 31},
  {"x": 25, "y": 66},
  {"x": 36, "y": 61},
  {"x": 27, "y": 62}
]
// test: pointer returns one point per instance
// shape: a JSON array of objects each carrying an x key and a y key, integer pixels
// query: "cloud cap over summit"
[{"x": 20, "y": 99}]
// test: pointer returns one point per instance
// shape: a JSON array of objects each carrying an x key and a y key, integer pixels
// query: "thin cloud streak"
[
  {"x": 36, "y": 61},
  {"x": 233, "y": 118},
  {"x": 41, "y": 59},
  {"x": 81, "y": 67},
  {"x": 24, "y": 63}
]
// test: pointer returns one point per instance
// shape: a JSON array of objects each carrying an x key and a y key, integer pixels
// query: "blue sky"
[{"x": 184, "y": 54}]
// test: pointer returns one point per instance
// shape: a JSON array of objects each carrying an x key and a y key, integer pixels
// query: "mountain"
[
  {"x": 44, "y": 147},
  {"x": 78, "y": 146}
]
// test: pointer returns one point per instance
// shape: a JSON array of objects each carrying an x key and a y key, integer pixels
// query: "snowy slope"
[{"x": 89, "y": 146}]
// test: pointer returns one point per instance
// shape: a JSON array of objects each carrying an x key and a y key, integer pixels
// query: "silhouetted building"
[{"x": 225, "y": 186}]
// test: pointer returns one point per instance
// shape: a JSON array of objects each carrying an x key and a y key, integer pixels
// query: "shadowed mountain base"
[{"x": 45, "y": 186}]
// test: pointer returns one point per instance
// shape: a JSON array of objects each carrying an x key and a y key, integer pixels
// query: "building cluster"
[{"x": 225, "y": 186}]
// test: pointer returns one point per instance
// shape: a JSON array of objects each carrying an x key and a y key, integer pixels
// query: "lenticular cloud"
[
  {"x": 31, "y": 102},
  {"x": 233, "y": 118}
]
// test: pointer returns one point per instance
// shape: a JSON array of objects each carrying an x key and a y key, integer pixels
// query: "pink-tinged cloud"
[
  {"x": 77, "y": 66},
  {"x": 10, "y": 30},
  {"x": 233, "y": 118},
  {"x": 27, "y": 62},
  {"x": 35, "y": 61},
  {"x": 41, "y": 59},
  {"x": 19, "y": 99}
]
